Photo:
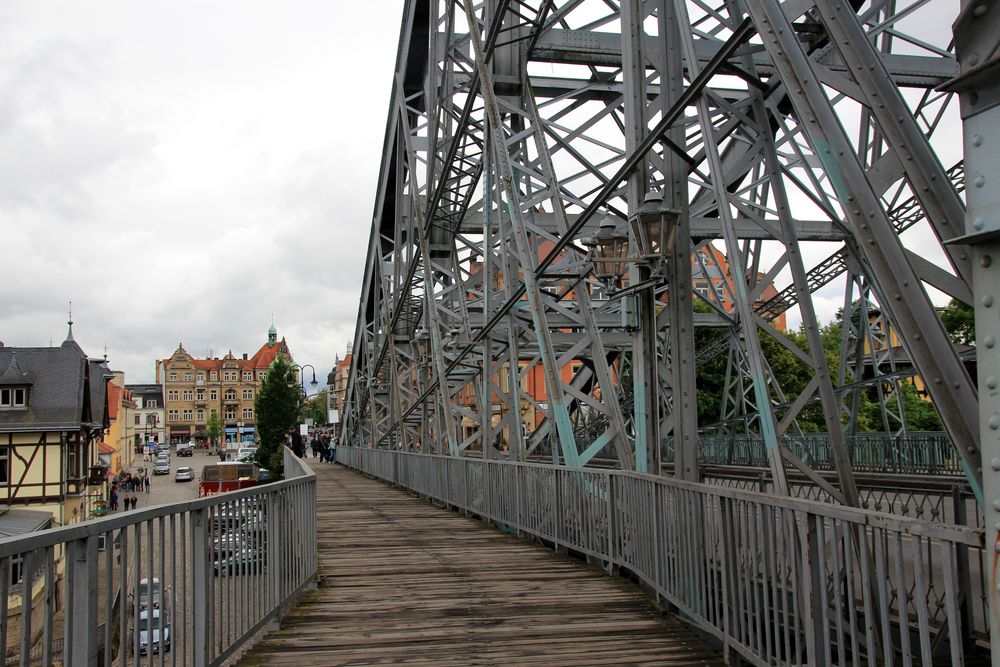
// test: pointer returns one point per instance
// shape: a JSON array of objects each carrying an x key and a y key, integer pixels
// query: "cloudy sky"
[{"x": 182, "y": 170}]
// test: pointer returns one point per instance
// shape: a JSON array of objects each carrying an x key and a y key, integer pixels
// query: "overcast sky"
[{"x": 182, "y": 170}]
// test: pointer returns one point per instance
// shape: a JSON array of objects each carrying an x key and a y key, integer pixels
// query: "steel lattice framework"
[{"x": 803, "y": 147}]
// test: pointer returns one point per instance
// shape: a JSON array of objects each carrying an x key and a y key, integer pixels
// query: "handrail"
[
  {"x": 780, "y": 580},
  {"x": 226, "y": 565}
]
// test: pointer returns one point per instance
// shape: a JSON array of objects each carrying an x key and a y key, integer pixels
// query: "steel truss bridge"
[{"x": 583, "y": 204}]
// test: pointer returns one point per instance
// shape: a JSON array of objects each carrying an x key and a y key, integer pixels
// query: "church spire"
[{"x": 69, "y": 335}]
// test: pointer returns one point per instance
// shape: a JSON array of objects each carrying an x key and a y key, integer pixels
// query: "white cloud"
[{"x": 183, "y": 170}]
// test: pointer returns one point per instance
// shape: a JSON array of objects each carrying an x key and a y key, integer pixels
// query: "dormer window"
[{"x": 13, "y": 397}]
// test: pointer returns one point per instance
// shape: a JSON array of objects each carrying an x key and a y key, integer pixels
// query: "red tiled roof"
[
  {"x": 105, "y": 448},
  {"x": 114, "y": 400}
]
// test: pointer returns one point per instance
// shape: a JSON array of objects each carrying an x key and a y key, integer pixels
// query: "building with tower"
[{"x": 194, "y": 388}]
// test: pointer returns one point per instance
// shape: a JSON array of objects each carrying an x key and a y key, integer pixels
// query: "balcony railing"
[{"x": 214, "y": 571}]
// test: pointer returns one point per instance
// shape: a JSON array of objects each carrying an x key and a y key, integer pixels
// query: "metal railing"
[
  {"x": 182, "y": 583},
  {"x": 924, "y": 453},
  {"x": 778, "y": 580}
]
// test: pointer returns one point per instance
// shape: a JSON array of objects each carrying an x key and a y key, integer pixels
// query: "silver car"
[
  {"x": 184, "y": 475},
  {"x": 154, "y": 632}
]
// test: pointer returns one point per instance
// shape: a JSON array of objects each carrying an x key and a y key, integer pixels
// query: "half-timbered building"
[{"x": 53, "y": 413}]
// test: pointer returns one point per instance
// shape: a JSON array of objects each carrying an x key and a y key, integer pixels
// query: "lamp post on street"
[{"x": 302, "y": 385}]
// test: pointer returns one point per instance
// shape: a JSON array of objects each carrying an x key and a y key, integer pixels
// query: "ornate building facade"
[{"x": 195, "y": 388}]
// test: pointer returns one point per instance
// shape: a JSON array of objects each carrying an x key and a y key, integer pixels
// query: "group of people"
[
  {"x": 320, "y": 442},
  {"x": 322, "y": 446},
  {"x": 126, "y": 488}
]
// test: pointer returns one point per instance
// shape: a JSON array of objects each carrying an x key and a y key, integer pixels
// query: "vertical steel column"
[
  {"x": 977, "y": 41},
  {"x": 437, "y": 346},
  {"x": 645, "y": 379},
  {"x": 684, "y": 398},
  {"x": 754, "y": 356}
]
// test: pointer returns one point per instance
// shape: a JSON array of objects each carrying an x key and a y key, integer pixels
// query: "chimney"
[{"x": 244, "y": 356}]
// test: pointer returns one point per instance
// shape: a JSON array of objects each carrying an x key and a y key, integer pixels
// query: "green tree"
[
  {"x": 213, "y": 427},
  {"x": 959, "y": 321},
  {"x": 277, "y": 408},
  {"x": 316, "y": 408}
]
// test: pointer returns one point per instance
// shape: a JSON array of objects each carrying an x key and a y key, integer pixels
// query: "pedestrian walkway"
[{"x": 405, "y": 582}]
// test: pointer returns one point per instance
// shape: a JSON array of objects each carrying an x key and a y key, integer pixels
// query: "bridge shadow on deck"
[{"x": 405, "y": 582}]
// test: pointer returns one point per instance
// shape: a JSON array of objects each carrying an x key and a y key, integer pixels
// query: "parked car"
[
  {"x": 162, "y": 448},
  {"x": 240, "y": 560},
  {"x": 150, "y": 628},
  {"x": 186, "y": 449},
  {"x": 245, "y": 454},
  {"x": 184, "y": 474},
  {"x": 161, "y": 467},
  {"x": 150, "y": 593}
]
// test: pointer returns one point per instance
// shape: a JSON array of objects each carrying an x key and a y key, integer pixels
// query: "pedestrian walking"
[
  {"x": 146, "y": 483},
  {"x": 135, "y": 501},
  {"x": 114, "y": 499}
]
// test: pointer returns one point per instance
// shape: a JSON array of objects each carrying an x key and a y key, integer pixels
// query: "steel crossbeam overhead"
[{"x": 797, "y": 150}]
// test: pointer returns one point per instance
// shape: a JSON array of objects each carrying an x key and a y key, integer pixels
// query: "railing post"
[
  {"x": 200, "y": 602},
  {"x": 557, "y": 506},
  {"x": 611, "y": 523},
  {"x": 964, "y": 577},
  {"x": 80, "y": 643},
  {"x": 814, "y": 579},
  {"x": 517, "y": 498}
]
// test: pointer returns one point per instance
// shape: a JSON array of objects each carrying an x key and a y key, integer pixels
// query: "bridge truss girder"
[{"x": 801, "y": 141}]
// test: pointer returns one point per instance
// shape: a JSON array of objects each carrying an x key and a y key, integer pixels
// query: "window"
[
  {"x": 248, "y": 394},
  {"x": 247, "y": 413},
  {"x": 4, "y": 466},
  {"x": 72, "y": 461},
  {"x": 214, "y": 376},
  {"x": 262, "y": 376},
  {"x": 150, "y": 403},
  {"x": 188, "y": 394},
  {"x": 172, "y": 415},
  {"x": 187, "y": 377},
  {"x": 248, "y": 376},
  {"x": 230, "y": 394},
  {"x": 188, "y": 414},
  {"x": 173, "y": 377},
  {"x": 200, "y": 396},
  {"x": 201, "y": 377},
  {"x": 151, "y": 420},
  {"x": 200, "y": 415},
  {"x": 230, "y": 414},
  {"x": 138, "y": 420},
  {"x": 173, "y": 395},
  {"x": 13, "y": 397},
  {"x": 213, "y": 395}
]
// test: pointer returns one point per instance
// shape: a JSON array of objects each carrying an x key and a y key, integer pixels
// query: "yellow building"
[
  {"x": 118, "y": 445},
  {"x": 195, "y": 388}
]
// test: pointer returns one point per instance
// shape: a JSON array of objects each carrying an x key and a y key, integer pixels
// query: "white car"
[{"x": 245, "y": 454}]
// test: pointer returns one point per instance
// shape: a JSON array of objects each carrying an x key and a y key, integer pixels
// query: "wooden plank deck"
[{"x": 405, "y": 582}]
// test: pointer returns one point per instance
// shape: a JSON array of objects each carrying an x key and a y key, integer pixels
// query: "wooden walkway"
[{"x": 405, "y": 582}]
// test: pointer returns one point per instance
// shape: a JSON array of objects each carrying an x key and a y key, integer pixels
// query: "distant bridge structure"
[{"x": 582, "y": 203}]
